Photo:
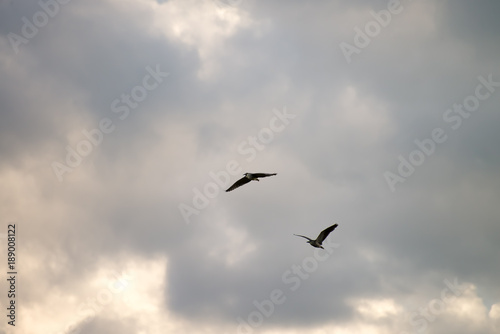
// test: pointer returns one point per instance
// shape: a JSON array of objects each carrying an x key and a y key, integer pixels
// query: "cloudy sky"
[{"x": 123, "y": 122}]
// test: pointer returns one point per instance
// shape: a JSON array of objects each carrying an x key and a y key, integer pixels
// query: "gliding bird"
[
  {"x": 247, "y": 178},
  {"x": 322, "y": 236}
]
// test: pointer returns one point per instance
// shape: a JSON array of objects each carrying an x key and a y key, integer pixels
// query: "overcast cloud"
[{"x": 123, "y": 122}]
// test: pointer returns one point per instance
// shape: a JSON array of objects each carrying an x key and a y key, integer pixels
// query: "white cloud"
[{"x": 203, "y": 26}]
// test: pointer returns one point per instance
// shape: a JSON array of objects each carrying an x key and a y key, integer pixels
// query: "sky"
[{"x": 123, "y": 122}]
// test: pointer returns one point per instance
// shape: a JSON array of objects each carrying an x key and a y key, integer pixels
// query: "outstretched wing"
[
  {"x": 262, "y": 174},
  {"x": 322, "y": 236},
  {"x": 239, "y": 183},
  {"x": 303, "y": 237}
]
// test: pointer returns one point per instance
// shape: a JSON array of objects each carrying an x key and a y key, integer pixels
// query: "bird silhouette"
[
  {"x": 247, "y": 178},
  {"x": 321, "y": 237}
]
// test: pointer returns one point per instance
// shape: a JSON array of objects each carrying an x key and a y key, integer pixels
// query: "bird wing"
[
  {"x": 262, "y": 174},
  {"x": 322, "y": 236},
  {"x": 239, "y": 183},
  {"x": 303, "y": 237}
]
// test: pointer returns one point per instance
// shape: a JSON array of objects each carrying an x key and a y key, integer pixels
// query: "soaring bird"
[
  {"x": 247, "y": 178},
  {"x": 322, "y": 236}
]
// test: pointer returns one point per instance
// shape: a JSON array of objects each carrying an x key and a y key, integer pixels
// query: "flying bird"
[
  {"x": 322, "y": 236},
  {"x": 247, "y": 178}
]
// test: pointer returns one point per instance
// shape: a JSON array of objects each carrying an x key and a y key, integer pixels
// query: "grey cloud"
[{"x": 123, "y": 199}]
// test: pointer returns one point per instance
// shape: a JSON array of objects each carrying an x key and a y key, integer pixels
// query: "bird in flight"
[
  {"x": 247, "y": 178},
  {"x": 322, "y": 236}
]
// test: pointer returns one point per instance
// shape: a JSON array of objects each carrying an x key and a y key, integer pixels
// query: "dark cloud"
[{"x": 353, "y": 121}]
